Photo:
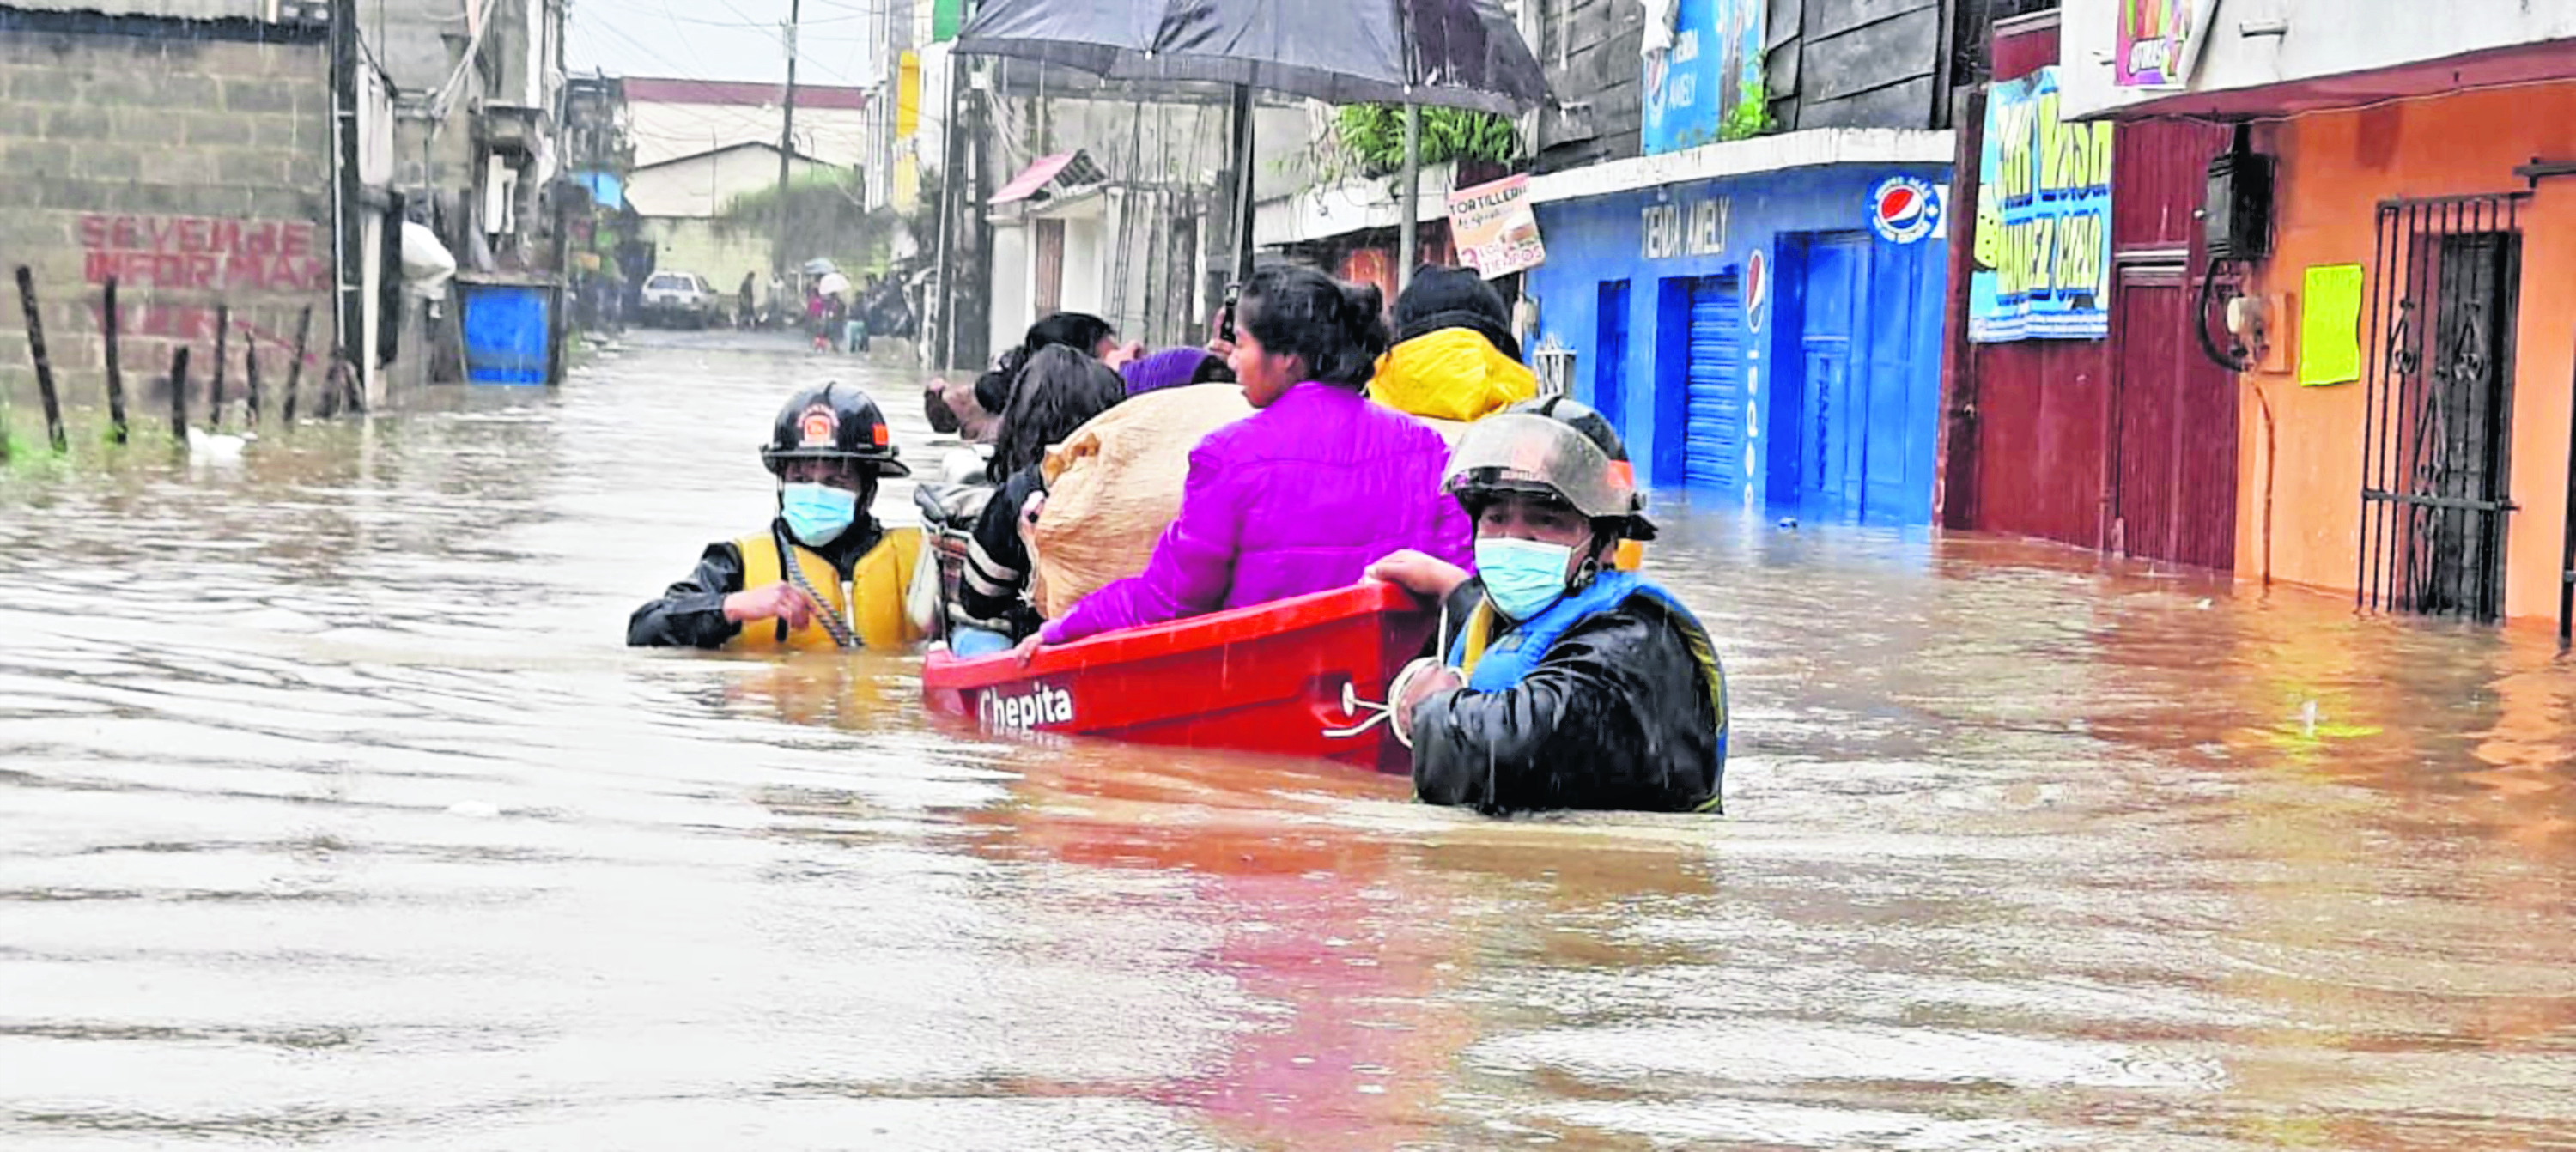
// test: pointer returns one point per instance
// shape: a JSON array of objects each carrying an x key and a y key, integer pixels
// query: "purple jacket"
[
  {"x": 1299, "y": 497},
  {"x": 1169, "y": 368}
]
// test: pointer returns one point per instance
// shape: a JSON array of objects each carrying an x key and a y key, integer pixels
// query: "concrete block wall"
[{"x": 193, "y": 167}]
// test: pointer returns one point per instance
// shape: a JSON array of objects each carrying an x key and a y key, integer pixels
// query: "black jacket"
[
  {"x": 995, "y": 591},
  {"x": 691, "y": 613},
  {"x": 1616, "y": 715}
]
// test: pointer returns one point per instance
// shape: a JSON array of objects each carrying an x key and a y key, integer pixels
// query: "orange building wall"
[{"x": 2300, "y": 449}]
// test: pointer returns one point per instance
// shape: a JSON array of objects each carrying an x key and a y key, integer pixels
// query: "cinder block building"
[{"x": 188, "y": 155}]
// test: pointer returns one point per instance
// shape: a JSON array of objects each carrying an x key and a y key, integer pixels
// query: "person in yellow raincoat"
[
  {"x": 825, "y": 575},
  {"x": 1455, "y": 358}
]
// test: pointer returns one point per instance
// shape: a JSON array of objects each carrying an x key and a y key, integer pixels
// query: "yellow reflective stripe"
[
  {"x": 761, "y": 568},
  {"x": 1480, "y": 634}
]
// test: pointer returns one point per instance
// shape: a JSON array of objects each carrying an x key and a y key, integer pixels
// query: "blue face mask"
[
  {"x": 818, "y": 513},
  {"x": 1523, "y": 577}
]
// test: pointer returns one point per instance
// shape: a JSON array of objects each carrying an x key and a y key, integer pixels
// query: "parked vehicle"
[{"x": 681, "y": 300}]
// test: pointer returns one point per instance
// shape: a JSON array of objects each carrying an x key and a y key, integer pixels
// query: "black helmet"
[
  {"x": 1554, "y": 446},
  {"x": 832, "y": 423}
]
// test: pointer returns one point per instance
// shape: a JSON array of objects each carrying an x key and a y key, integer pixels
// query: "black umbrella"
[
  {"x": 1436, "y": 53},
  {"x": 1433, "y": 53}
]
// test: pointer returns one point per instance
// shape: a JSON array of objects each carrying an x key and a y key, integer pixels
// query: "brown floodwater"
[{"x": 333, "y": 813}]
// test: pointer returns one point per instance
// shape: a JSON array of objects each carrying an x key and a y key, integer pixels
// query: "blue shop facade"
[{"x": 1773, "y": 338}]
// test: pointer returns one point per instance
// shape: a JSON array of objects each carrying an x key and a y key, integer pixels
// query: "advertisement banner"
[
  {"x": 2043, "y": 233},
  {"x": 1707, "y": 75},
  {"x": 1493, "y": 228},
  {"x": 2160, "y": 41}
]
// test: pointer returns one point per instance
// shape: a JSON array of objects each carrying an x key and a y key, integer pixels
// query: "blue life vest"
[{"x": 1502, "y": 664}]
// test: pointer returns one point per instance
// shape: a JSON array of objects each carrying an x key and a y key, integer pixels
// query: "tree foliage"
[
  {"x": 826, "y": 216},
  {"x": 1375, "y": 134}
]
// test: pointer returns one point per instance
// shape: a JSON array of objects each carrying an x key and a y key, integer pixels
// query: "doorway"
[
  {"x": 2174, "y": 441},
  {"x": 2438, "y": 412},
  {"x": 1610, "y": 355}
]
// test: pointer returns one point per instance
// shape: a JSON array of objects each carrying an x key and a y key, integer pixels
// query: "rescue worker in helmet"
[
  {"x": 825, "y": 575},
  {"x": 1556, "y": 680}
]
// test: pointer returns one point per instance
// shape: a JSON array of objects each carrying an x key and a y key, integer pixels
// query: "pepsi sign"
[{"x": 1904, "y": 209}]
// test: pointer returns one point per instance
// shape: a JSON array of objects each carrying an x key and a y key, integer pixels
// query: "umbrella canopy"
[
  {"x": 1439, "y": 53},
  {"x": 819, "y": 266},
  {"x": 832, "y": 283}
]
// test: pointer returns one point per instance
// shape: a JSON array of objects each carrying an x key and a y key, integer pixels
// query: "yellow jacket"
[
  {"x": 1451, "y": 374},
  {"x": 872, "y": 603}
]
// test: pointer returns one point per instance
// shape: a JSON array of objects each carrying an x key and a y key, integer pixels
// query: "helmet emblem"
[
  {"x": 879, "y": 435},
  {"x": 817, "y": 426},
  {"x": 1623, "y": 474}
]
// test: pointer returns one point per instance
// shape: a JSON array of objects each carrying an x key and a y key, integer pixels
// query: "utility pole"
[
  {"x": 347, "y": 232},
  {"x": 786, "y": 140}
]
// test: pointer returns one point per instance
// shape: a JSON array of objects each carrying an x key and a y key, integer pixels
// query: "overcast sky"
[{"x": 721, "y": 39}]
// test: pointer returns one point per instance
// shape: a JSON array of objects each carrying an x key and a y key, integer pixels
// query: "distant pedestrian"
[{"x": 743, "y": 315}]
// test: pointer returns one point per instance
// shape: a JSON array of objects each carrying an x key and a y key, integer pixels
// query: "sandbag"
[{"x": 1115, "y": 485}]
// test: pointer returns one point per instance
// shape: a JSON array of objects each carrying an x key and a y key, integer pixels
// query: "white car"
[{"x": 680, "y": 300}]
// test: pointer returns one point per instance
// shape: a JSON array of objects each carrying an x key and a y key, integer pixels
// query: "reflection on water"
[{"x": 332, "y": 813}]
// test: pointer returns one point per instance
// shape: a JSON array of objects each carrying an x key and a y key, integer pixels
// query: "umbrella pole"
[
  {"x": 1242, "y": 183},
  {"x": 1408, "y": 245}
]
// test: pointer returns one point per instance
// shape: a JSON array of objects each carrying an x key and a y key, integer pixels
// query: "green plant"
[
  {"x": 1375, "y": 134},
  {"x": 1751, "y": 115},
  {"x": 825, "y": 216}
]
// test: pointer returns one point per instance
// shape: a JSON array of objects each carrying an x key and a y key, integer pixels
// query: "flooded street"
[{"x": 333, "y": 813}]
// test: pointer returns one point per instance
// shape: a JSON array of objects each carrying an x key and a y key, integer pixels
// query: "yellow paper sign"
[{"x": 2330, "y": 326}]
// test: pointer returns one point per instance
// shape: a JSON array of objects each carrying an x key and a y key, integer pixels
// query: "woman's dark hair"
[
  {"x": 993, "y": 388},
  {"x": 1079, "y": 331},
  {"x": 1059, "y": 390},
  {"x": 1338, "y": 329}
]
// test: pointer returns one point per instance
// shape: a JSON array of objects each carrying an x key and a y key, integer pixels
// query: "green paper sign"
[{"x": 2330, "y": 326}]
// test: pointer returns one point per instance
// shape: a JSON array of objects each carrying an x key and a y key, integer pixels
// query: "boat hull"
[{"x": 1269, "y": 678}]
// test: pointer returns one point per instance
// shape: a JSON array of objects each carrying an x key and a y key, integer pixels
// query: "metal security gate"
[
  {"x": 1713, "y": 424},
  {"x": 2438, "y": 406}
]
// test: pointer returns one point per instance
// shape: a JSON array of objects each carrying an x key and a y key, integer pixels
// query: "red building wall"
[{"x": 2122, "y": 444}]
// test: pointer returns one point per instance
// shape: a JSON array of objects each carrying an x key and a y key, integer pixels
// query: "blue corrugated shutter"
[{"x": 1713, "y": 422}]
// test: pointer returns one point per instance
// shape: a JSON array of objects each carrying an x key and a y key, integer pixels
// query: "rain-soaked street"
[{"x": 333, "y": 813}]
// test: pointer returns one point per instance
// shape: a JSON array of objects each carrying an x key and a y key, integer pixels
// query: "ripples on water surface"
[{"x": 333, "y": 814}]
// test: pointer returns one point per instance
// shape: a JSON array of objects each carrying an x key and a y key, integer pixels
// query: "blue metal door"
[
  {"x": 1610, "y": 355},
  {"x": 1837, "y": 413},
  {"x": 1713, "y": 418}
]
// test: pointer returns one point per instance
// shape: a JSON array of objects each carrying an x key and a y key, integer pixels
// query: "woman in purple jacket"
[{"x": 1304, "y": 494}]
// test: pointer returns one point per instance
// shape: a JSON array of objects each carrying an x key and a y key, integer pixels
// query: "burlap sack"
[{"x": 1115, "y": 485}]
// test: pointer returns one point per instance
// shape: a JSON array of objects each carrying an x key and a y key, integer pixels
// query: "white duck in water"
[{"x": 216, "y": 447}]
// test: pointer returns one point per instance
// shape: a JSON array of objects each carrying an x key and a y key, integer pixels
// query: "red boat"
[{"x": 1286, "y": 677}]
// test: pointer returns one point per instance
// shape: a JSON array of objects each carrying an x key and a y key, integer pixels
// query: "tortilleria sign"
[{"x": 1494, "y": 230}]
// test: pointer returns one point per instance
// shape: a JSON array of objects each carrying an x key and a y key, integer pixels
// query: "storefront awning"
[{"x": 1050, "y": 177}]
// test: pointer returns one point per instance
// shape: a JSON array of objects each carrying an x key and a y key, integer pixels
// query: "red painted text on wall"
[{"x": 202, "y": 252}]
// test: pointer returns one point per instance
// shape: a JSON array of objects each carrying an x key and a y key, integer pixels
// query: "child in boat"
[
  {"x": 1556, "y": 681},
  {"x": 1455, "y": 358},
  {"x": 1058, "y": 391},
  {"x": 825, "y": 575},
  {"x": 1303, "y": 494}
]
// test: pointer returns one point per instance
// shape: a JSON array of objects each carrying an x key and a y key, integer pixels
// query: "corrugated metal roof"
[{"x": 674, "y": 90}]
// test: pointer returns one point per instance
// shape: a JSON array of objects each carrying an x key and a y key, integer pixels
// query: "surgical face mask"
[
  {"x": 818, "y": 513},
  {"x": 1523, "y": 577}
]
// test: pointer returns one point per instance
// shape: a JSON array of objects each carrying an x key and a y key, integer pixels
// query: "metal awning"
[{"x": 1050, "y": 177}]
